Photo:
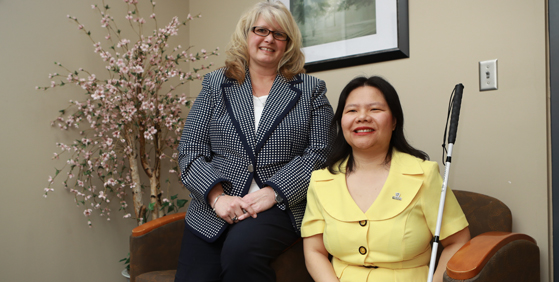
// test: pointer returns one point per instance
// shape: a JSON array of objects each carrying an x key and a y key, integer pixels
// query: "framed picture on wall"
[{"x": 343, "y": 33}]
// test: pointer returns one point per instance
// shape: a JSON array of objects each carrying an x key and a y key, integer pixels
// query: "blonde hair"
[{"x": 293, "y": 60}]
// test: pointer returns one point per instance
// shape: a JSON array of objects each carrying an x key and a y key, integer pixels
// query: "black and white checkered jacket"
[{"x": 219, "y": 143}]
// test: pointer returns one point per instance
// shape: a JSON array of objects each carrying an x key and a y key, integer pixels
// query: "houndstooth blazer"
[{"x": 219, "y": 143}]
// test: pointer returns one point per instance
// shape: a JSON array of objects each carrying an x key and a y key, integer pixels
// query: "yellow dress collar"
[{"x": 402, "y": 185}]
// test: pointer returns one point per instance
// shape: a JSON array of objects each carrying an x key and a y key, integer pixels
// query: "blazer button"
[
  {"x": 363, "y": 222},
  {"x": 250, "y": 168},
  {"x": 362, "y": 250}
]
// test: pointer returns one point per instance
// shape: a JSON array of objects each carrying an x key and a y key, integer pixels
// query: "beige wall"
[{"x": 500, "y": 150}]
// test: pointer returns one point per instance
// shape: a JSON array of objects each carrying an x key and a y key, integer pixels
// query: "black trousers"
[{"x": 242, "y": 253}]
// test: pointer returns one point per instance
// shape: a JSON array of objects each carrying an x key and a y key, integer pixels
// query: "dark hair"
[{"x": 342, "y": 150}]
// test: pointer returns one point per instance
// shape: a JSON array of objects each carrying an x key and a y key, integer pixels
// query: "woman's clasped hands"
[{"x": 233, "y": 209}]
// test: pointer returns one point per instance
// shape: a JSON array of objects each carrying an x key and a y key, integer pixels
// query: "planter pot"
[{"x": 126, "y": 274}]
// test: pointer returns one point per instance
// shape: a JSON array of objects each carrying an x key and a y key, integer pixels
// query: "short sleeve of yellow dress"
[{"x": 391, "y": 240}]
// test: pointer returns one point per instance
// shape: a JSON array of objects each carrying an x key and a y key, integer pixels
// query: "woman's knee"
[{"x": 241, "y": 252}]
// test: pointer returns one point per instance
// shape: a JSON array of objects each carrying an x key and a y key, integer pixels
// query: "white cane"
[{"x": 451, "y": 139}]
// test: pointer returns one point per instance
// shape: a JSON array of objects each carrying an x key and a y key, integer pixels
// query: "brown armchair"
[
  {"x": 155, "y": 247},
  {"x": 497, "y": 256},
  {"x": 493, "y": 253}
]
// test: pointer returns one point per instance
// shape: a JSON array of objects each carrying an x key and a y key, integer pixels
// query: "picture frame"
[{"x": 345, "y": 36}]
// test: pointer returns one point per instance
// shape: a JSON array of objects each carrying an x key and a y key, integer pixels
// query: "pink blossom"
[
  {"x": 123, "y": 42},
  {"x": 111, "y": 182},
  {"x": 87, "y": 212},
  {"x": 127, "y": 215},
  {"x": 138, "y": 69},
  {"x": 120, "y": 63}
]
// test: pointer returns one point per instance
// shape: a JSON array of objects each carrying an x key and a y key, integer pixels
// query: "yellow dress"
[{"x": 391, "y": 241}]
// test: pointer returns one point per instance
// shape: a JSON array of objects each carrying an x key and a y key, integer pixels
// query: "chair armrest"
[
  {"x": 155, "y": 245},
  {"x": 150, "y": 226},
  {"x": 474, "y": 255}
]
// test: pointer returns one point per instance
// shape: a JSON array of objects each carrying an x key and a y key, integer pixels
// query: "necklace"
[{"x": 261, "y": 100}]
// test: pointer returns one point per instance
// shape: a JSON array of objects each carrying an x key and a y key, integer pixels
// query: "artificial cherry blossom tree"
[{"x": 130, "y": 119}]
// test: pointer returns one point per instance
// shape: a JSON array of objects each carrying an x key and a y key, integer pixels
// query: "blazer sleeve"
[
  {"x": 195, "y": 153},
  {"x": 292, "y": 180}
]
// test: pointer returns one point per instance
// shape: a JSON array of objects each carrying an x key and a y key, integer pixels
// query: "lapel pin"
[{"x": 397, "y": 197}]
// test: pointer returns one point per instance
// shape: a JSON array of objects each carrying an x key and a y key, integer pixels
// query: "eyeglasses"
[{"x": 260, "y": 31}]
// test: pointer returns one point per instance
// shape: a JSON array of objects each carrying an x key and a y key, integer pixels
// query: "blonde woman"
[{"x": 255, "y": 133}]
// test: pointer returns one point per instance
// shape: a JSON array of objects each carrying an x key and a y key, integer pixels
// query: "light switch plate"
[{"x": 488, "y": 75}]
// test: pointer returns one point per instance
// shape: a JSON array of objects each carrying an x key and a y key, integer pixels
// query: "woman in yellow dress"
[{"x": 374, "y": 208}]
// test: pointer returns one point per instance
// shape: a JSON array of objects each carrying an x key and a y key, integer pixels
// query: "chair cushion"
[{"x": 157, "y": 276}]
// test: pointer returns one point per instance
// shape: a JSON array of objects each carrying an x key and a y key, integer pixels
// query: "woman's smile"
[{"x": 363, "y": 130}]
